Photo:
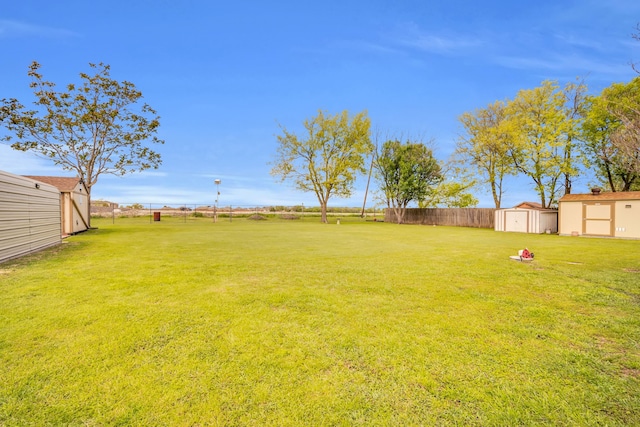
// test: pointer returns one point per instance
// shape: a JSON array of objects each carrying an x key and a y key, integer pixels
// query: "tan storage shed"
[
  {"x": 601, "y": 214},
  {"x": 74, "y": 202},
  {"x": 527, "y": 217},
  {"x": 29, "y": 216}
]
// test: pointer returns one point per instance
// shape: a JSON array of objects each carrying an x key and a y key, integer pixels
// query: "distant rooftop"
[{"x": 64, "y": 184}]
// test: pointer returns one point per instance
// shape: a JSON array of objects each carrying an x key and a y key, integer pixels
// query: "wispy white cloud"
[
  {"x": 572, "y": 40},
  {"x": 574, "y": 64},
  {"x": 223, "y": 177},
  {"x": 163, "y": 194},
  {"x": 9, "y": 29},
  {"x": 369, "y": 47},
  {"x": 411, "y": 35},
  {"x": 156, "y": 194},
  {"x": 233, "y": 192},
  {"x": 563, "y": 53},
  {"x": 442, "y": 44},
  {"x": 24, "y": 163},
  {"x": 150, "y": 173}
]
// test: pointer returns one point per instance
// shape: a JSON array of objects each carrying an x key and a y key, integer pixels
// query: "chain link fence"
[{"x": 155, "y": 211}]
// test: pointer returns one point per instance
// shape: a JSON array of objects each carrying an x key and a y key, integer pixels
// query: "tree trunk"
[
  {"x": 610, "y": 179},
  {"x": 323, "y": 210},
  {"x": 494, "y": 193},
  {"x": 399, "y": 210},
  {"x": 541, "y": 193}
]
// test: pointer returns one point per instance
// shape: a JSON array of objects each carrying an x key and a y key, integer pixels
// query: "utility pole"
[{"x": 366, "y": 191}]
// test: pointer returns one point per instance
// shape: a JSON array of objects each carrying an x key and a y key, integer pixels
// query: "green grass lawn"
[{"x": 290, "y": 323}]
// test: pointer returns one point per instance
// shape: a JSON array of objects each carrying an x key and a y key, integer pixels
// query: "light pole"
[{"x": 215, "y": 207}]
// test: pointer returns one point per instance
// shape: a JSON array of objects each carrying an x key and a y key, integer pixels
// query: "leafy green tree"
[
  {"x": 538, "y": 127},
  {"x": 407, "y": 173},
  {"x": 90, "y": 128},
  {"x": 450, "y": 193},
  {"x": 328, "y": 158},
  {"x": 534, "y": 134},
  {"x": 611, "y": 132},
  {"x": 484, "y": 147}
]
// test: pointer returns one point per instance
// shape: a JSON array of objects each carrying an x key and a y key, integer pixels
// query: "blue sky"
[{"x": 223, "y": 75}]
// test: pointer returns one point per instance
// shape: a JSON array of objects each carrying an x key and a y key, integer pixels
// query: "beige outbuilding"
[
  {"x": 600, "y": 214},
  {"x": 527, "y": 217},
  {"x": 74, "y": 202},
  {"x": 29, "y": 216}
]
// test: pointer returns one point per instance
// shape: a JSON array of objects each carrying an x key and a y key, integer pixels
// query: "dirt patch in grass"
[
  {"x": 289, "y": 216},
  {"x": 628, "y": 372},
  {"x": 632, "y": 270}
]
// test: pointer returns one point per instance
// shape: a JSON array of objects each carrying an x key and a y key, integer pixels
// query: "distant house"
[
  {"x": 529, "y": 205},
  {"x": 615, "y": 214},
  {"x": 527, "y": 217},
  {"x": 29, "y": 216},
  {"x": 74, "y": 202}
]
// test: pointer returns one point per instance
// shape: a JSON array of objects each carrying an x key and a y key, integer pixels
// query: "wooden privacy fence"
[{"x": 458, "y": 217}]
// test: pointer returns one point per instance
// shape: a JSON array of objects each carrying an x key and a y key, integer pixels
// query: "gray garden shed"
[{"x": 29, "y": 216}]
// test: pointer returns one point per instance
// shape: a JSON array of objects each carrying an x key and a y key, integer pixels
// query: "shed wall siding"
[
  {"x": 548, "y": 221},
  {"x": 498, "y": 220},
  {"x": 627, "y": 221},
  {"x": 29, "y": 216},
  {"x": 570, "y": 218},
  {"x": 526, "y": 220}
]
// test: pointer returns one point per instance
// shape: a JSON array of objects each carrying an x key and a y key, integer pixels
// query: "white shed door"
[{"x": 516, "y": 221}]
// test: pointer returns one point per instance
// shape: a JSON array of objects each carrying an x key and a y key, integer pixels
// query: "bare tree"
[{"x": 636, "y": 36}]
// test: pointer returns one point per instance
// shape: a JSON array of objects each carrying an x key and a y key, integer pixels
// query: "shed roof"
[
  {"x": 64, "y": 184},
  {"x": 529, "y": 205},
  {"x": 610, "y": 196}
]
